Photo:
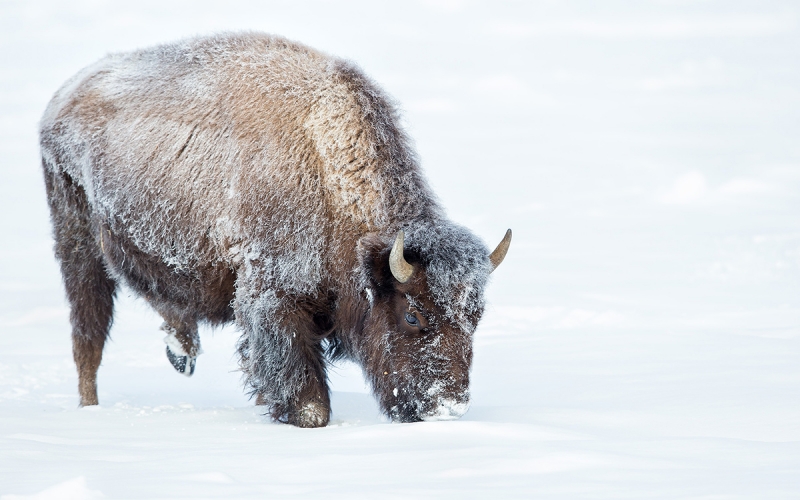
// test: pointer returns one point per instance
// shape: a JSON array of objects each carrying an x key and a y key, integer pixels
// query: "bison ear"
[{"x": 373, "y": 255}]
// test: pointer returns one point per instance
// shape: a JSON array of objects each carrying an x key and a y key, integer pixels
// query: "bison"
[{"x": 246, "y": 178}]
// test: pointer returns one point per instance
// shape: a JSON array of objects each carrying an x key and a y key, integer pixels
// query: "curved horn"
[
  {"x": 500, "y": 252},
  {"x": 401, "y": 269}
]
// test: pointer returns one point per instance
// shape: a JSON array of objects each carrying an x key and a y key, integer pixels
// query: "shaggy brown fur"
[{"x": 248, "y": 178}]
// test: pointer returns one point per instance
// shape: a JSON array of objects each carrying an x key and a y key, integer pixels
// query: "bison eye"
[{"x": 411, "y": 319}]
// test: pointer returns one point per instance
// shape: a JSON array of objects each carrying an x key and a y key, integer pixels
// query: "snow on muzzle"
[
  {"x": 447, "y": 409},
  {"x": 446, "y": 406}
]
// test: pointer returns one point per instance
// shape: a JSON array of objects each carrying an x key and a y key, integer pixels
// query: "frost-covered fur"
[{"x": 247, "y": 178}]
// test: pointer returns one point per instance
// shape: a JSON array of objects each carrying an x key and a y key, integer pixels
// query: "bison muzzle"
[{"x": 246, "y": 178}]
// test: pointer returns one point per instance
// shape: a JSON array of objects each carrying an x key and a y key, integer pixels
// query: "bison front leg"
[{"x": 282, "y": 358}]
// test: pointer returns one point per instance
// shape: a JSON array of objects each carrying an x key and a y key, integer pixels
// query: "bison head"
[{"x": 425, "y": 292}]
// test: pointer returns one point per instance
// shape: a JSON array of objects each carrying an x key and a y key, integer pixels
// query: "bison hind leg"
[
  {"x": 183, "y": 343},
  {"x": 90, "y": 290}
]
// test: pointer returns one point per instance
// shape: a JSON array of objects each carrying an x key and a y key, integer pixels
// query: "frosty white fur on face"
[
  {"x": 248, "y": 178},
  {"x": 421, "y": 371}
]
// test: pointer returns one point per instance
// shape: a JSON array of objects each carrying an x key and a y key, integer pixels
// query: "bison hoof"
[
  {"x": 183, "y": 364},
  {"x": 311, "y": 415}
]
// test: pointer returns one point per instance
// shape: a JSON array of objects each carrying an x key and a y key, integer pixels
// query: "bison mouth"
[
  {"x": 433, "y": 407},
  {"x": 447, "y": 409}
]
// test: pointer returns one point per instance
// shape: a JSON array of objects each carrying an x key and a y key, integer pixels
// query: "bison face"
[
  {"x": 419, "y": 360},
  {"x": 426, "y": 299}
]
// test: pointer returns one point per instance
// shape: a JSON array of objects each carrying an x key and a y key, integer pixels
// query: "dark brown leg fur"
[
  {"x": 184, "y": 328},
  {"x": 311, "y": 406},
  {"x": 284, "y": 362},
  {"x": 183, "y": 340},
  {"x": 90, "y": 290}
]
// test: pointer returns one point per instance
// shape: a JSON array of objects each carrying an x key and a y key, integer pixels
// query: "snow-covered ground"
[{"x": 643, "y": 334}]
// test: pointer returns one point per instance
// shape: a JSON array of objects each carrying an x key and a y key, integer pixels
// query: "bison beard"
[{"x": 247, "y": 178}]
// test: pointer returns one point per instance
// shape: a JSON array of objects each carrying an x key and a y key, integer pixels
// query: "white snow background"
[{"x": 643, "y": 334}]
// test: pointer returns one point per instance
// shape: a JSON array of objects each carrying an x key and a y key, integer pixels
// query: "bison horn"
[
  {"x": 401, "y": 269},
  {"x": 500, "y": 252}
]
